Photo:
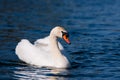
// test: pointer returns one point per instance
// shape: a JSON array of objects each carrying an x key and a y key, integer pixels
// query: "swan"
[{"x": 45, "y": 52}]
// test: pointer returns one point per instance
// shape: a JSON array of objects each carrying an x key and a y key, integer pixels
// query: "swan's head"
[{"x": 61, "y": 33}]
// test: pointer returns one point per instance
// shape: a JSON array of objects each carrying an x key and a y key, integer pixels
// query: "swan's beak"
[{"x": 65, "y": 37}]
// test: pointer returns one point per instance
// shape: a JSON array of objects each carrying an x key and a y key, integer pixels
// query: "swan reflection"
[{"x": 22, "y": 73}]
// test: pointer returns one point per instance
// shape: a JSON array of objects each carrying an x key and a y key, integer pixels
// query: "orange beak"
[{"x": 66, "y": 39}]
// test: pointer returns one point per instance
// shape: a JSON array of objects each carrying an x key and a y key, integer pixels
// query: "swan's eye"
[{"x": 65, "y": 33}]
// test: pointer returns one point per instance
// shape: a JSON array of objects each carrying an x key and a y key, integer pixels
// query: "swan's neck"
[
  {"x": 59, "y": 60},
  {"x": 54, "y": 46}
]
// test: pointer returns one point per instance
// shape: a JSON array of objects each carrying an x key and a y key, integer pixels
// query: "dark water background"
[{"x": 94, "y": 27}]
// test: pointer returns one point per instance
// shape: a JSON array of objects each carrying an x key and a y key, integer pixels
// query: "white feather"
[{"x": 44, "y": 52}]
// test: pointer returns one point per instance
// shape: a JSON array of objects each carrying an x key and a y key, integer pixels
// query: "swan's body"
[{"x": 46, "y": 51}]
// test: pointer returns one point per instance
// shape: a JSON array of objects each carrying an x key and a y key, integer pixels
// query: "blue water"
[{"x": 94, "y": 27}]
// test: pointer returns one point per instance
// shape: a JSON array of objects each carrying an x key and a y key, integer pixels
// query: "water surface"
[{"x": 94, "y": 32}]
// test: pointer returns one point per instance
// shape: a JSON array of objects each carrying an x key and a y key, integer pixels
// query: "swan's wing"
[
  {"x": 25, "y": 50},
  {"x": 60, "y": 46},
  {"x": 29, "y": 53},
  {"x": 44, "y": 44}
]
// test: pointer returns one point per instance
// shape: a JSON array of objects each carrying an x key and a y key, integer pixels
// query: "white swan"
[{"x": 46, "y": 51}]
